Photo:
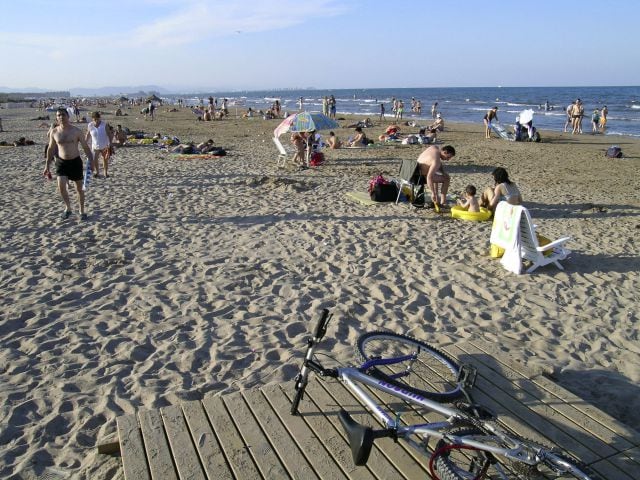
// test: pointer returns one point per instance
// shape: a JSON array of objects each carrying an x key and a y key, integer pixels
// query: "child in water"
[{"x": 471, "y": 203}]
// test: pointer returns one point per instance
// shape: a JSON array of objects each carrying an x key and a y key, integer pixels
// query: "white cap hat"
[{"x": 438, "y": 116}]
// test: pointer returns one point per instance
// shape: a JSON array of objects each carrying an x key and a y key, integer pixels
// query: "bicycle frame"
[{"x": 351, "y": 376}]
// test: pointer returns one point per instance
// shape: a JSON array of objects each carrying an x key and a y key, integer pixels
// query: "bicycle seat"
[{"x": 360, "y": 438}]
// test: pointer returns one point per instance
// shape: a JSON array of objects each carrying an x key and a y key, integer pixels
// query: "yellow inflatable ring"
[{"x": 458, "y": 212}]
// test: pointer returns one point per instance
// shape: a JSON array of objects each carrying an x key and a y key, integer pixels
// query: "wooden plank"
[
  {"x": 590, "y": 433},
  {"x": 314, "y": 450},
  {"x": 156, "y": 445},
  {"x": 535, "y": 416},
  {"x": 395, "y": 453},
  {"x": 262, "y": 451},
  {"x": 134, "y": 461},
  {"x": 587, "y": 412},
  {"x": 330, "y": 437},
  {"x": 592, "y": 412},
  {"x": 378, "y": 464},
  {"x": 285, "y": 447},
  {"x": 633, "y": 454},
  {"x": 608, "y": 469},
  {"x": 628, "y": 461},
  {"x": 235, "y": 451},
  {"x": 183, "y": 450},
  {"x": 206, "y": 443}
]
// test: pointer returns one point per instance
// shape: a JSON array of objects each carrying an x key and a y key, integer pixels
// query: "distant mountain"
[
  {"x": 24, "y": 90},
  {"x": 110, "y": 91},
  {"x": 94, "y": 92}
]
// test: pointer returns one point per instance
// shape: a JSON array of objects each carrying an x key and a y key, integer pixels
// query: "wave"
[
  {"x": 636, "y": 107},
  {"x": 614, "y": 132}
]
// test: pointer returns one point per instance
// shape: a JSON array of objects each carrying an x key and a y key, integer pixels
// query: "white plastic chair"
[{"x": 531, "y": 249}]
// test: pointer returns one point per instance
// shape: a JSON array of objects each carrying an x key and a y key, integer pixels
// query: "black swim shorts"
[{"x": 72, "y": 169}]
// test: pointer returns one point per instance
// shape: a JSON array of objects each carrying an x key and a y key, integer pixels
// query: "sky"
[{"x": 199, "y": 45}]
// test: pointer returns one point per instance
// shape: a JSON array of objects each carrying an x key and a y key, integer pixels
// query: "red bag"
[{"x": 317, "y": 158}]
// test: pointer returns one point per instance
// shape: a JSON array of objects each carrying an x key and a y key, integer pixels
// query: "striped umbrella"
[{"x": 305, "y": 122}]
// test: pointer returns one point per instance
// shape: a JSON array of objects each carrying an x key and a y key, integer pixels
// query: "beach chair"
[
  {"x": 539, "y": 255},
  {"x": 514, "y": 233},
  {"x": 410, "y": 177}
]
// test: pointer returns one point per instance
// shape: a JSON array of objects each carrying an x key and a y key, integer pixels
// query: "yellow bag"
[{"x": 496, "y": 251}]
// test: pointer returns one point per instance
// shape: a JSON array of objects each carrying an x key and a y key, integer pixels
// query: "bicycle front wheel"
[
  {"x": 420, "y": 368},
  {"x": 456, "y": 462}
]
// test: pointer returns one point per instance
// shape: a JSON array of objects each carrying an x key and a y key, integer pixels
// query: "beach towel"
[
  {"x": 505, "y": 233},
  {"x": 361, "y": 197},
  {"x": 141, "y": 141},
  {"x": 195, "y": 156}
]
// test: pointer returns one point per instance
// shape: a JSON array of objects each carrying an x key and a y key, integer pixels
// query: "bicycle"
[{"x": 470, "y": 443}]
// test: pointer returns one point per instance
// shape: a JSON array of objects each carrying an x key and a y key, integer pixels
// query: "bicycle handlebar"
[{"x": 321, "y": 328}]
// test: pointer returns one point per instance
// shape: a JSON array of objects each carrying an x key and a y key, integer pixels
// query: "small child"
[
  {"x": 595, "y": 121},
  {"x": 471, "y": 204}
]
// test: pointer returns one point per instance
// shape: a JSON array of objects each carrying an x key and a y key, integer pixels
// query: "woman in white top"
[{"x": 504, "y": 189}]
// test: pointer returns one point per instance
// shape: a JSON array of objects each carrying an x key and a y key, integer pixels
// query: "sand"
[{"x": 195, "y": 277}]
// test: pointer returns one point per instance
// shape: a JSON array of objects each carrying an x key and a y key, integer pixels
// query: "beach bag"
[
  {"x": 377, "y": 180},
  {"x": 317, "y": 158},
  {"x": 614, "y": 152},
  {"x": 384, "y": 192}
]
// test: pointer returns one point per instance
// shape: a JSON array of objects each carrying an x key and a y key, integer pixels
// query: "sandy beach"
[{"x": 201, "y": 276}]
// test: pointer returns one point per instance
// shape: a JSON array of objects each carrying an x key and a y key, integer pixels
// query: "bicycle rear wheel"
[
  {"x": 454, "y": 462},
  {"x": 424, "y": 371}
]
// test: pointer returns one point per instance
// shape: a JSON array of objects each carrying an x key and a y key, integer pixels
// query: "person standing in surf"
[{"x": 489, "y": 117}]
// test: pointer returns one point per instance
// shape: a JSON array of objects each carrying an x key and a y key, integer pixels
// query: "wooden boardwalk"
[{"x": 250, "y": 434}]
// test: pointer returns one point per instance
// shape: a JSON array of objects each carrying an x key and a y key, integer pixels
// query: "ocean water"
[{"x": 466, "y": 105}]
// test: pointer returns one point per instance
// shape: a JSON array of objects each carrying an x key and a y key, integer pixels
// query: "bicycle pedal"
[{"x": 467, "y": 376}]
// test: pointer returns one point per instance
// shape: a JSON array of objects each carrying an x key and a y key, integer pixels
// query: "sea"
[{"x": 464, "y": 104}]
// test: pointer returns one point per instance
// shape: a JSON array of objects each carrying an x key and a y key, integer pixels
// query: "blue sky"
[{"x": 188, "y": 45}]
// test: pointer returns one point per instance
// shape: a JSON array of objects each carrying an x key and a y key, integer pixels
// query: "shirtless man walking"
[
  {"x": 431, "y": 166},
  {"x": 65, "y": 138}
]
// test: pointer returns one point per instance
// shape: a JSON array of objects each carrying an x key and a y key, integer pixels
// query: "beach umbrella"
[
  {"x": 305, "y": 122},
  {"x": 526, "y": 116},
  {"x": 153, "y": 98}
]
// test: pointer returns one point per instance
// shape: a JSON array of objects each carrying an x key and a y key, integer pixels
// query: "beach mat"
[
  {"x": 501, "y": 132},
  {"x": 361, "y": 197}
]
